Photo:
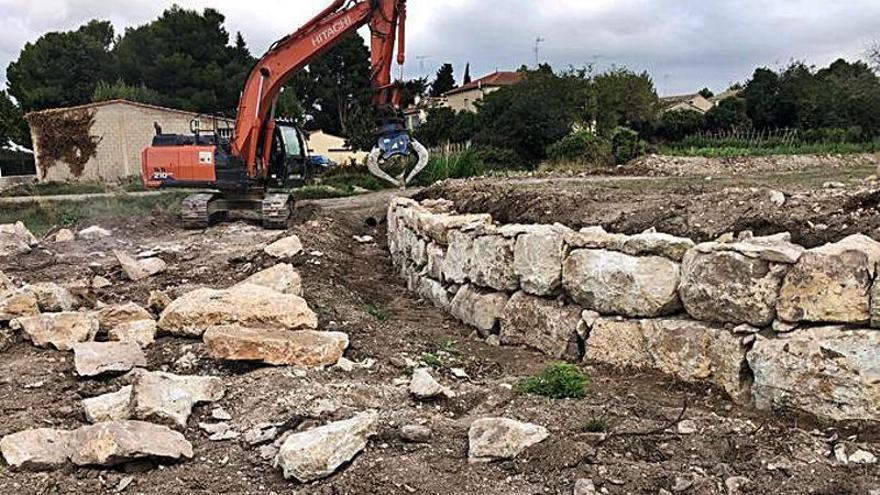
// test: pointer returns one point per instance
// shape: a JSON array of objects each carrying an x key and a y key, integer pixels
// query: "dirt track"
[{"x": 353, "y": 289}]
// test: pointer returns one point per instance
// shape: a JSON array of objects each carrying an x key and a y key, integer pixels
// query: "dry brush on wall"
[
  {"x": 766, "y": 320},
  {"x": 65, "y": 137}
]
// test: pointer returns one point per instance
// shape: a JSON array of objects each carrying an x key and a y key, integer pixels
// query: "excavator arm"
[{"x": 255, "y": 123}]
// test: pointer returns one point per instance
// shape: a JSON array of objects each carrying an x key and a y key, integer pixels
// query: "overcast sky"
[{"x": 684, "y": 44}]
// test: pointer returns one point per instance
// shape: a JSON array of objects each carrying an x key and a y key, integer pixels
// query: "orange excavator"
[{"x": 251, "y": 168}]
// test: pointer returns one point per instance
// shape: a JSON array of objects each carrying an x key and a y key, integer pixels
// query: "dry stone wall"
[{"x": 768, "y": 321}]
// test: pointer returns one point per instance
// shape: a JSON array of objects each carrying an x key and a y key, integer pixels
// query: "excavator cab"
[{"x": 289, "y": 161}]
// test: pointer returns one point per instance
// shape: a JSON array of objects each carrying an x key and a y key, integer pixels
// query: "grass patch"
[
  {"x": 320, "y": 192},
  {"x": 791, "y": 149},
  {"x": 557, "y": 381},
  {"x": 432, "y": 360},
  {"x": 375, "y": 311},
  {"x": 597, "y": 425},
  {"x": 351, "y": 179},
  {"x": 55, "y": 188},
  {"x": 40, "y": 217},
  {"x": 453, "y": 166}
]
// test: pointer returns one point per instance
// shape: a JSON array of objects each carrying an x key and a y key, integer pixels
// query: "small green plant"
[
  {"x": 432, "y": 360},
  {"x": 449, "y": 345},
  {"x": 557, "y": 381},
  {"x": 597, "y": 425},
  {"x": 375, "y": 311}
]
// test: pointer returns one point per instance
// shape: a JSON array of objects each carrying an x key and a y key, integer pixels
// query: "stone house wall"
[{"x": 768, "y": 321}]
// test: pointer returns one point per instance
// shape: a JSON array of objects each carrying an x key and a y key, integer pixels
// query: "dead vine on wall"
[{"x": 64, "y": 137}]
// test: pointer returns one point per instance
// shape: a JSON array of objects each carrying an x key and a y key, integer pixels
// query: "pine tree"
[{"x": 444, "y": 82}]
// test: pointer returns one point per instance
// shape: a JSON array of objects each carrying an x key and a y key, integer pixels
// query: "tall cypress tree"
[
  {"x": 467, "y": 74},
  {"x": 445, "y": 81}
]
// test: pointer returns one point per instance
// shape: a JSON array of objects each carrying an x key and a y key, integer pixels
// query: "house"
[
  {"x": 730, "y": 93},
  {"x": 417, "y": 114},
  {"x": 695, "y": 102},
  {"x": 466, "y": 97},
  {"x": 460, "y": 99},
  {"x": 334, "y": 147},
  {"x": 103, "y": 141}
]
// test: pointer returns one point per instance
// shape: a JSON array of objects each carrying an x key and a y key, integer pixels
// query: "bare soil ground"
[{"x": 353, "y": 288}]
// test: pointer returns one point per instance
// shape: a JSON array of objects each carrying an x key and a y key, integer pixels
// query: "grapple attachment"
[{"x": 395, "y": 141}]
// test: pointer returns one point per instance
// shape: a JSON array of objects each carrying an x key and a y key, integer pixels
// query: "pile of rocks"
[
  {"x": 765, "y": 319},
  {"x": 264, "y": 318}
]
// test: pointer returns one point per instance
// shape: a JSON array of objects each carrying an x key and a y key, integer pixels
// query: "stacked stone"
[{"x": 764, "y": 319}]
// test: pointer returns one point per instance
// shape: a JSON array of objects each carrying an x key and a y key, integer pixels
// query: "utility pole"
[{"x": 538, "y": 42}]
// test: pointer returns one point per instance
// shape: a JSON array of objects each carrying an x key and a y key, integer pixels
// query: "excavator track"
[
  {"x": 277, "y": 209},
  {"x": 197, "y": 211}
]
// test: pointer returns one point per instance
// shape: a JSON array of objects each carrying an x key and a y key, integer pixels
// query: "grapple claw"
[{"x": 395, "y": 141}]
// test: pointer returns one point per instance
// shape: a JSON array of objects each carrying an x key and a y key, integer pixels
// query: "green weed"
[
  {"x": 432, "y": 360},
  {"x": 375, "y": 311},
  {"x": 597, "y": 425},
  {"x": 557, "y": 381}
]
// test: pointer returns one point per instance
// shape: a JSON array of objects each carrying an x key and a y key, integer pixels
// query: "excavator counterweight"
[{"x": 264, "y": 156}]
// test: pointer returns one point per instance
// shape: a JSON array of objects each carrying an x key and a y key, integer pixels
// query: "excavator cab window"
[{"x": 290, "y": 164}]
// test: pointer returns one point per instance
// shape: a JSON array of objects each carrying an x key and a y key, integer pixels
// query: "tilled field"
[{"x": 656, "y": 435}]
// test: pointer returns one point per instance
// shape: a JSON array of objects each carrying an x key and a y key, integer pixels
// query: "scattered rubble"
[
  {"x": 416, "y": 433},
  {"x": 303, "y": 348},
  {"x": 104, "y": 444},
  {"x": 52, "y": 297},
  {"x": 15, "y": 239},
  {"x": 64, "y": 235},
  {"x": 319, "y": 452},
  {"x": 112, "y": 316},
  {"x": 423, "y": 386},
  {"x": 492, "y": 439},
  {"x": 139, "y": 269},
  {"x": 285, "y": 248},
  {"x": 93, "y": 233},
  {"x": 141, "y": 332},
  {"x": 114, "y": 406},
  {"x": 281, "y": 278},
  {"x": 97, "y": 358},
  {"x": 18, "y": 303},
  {"x": 167, "y": 398},
  {"x": 246, "y": 305},
  {"x": 58, "y": 330}
]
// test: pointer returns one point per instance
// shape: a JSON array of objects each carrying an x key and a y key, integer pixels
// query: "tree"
[
  {"x": 706, "y": 93},
  {"x": 760, "y": 94},
  {"x": 727, "y": 115},
  {"x": 185, "y": 56},
  {"x": 675, "y": 125},
  {"x": 121, "y": 91},
  {"x": 336, "y": 90},
  {"x": 12, "y": 124},
  {"x": 531, "y": 115},
  {"x": 621, "y": 97},
  {"x": 444, "y": 82},
  {"x": 412, "y": 89},
  {"x": 467, "y": 74},
  {"x": 62, "y": 68},
  {"x": 437, "y": 128}
]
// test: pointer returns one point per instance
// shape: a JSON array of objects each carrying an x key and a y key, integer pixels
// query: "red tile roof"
[{"x": 496, "y": 80}]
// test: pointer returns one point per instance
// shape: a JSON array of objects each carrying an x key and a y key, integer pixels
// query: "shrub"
[
  {"x": 498, "y": 158},
  {"x": 557, "y": 381},
  {"x": 581, "y": 147},
  {"x": 626, "y": 145},
  {"x": 677, "y": 124}
]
